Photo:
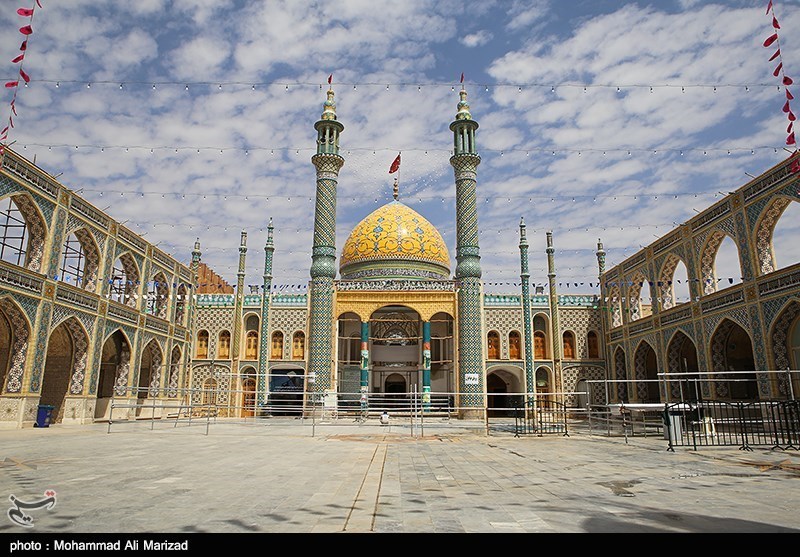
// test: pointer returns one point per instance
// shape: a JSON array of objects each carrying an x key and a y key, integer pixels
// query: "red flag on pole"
[
  {"x": 790, "y": 140},
  {"x": 25, "y": 12},
  {"x": 395, "y": 165},
  {"x": 771, "y": 39},
  {"x": 26, "y": 30},
  {"x": 330, "y": 79},
  {"x": 769, "y": 6},
  {"x": 462, "y": 77},
  {"x": 777, "y": 53}
]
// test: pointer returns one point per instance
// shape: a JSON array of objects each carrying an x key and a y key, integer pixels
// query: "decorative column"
[
  {"x": 605, "y": 314},
  {"x": 426, "y": 365},
  {"x": 465, "y": 161},
  {"x": 557, "y": 339},
  {"x": 193, "y": 268},
  {"x": 323, "y": 254},
  {"x": 364, "y": 365},
  {"x": 526, "y": 310},
  {"x": 266, "y": 295}
]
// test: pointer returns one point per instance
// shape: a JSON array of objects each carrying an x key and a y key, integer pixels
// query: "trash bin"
[
  {"x": 44, "y": 415},
  {"x": 673, "y": 429}
]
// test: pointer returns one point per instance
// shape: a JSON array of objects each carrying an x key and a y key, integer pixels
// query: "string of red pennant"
[
  {"x": 780, "y": 72},
  {"x": 25, "y": 31}
]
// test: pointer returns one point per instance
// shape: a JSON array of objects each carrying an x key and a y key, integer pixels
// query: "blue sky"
[{"x": 195, "y": 118}]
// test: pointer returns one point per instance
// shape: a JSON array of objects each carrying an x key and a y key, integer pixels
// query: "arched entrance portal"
[
  {"x": 115, "y": 363},
  {"x": 395, "y": 349},
  {"x": 501, "y": 386},
  {"x": 249, "y": 393},
  {"x": 681, "y": 359},
  {"x": 731, "y": 350},
  {"x": 149, "y": 373},
  {"x": 395, "y": 383},
  {"x": 65, "y": 365},
  {"x": 785, "y": 341}
]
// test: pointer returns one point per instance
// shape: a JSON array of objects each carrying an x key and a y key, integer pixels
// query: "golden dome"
[{"x": 394, "y": 241}]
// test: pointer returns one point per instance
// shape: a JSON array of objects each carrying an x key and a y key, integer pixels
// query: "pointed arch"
[
  {"x": 150, "y": 369},
  {"x": 181, "y": 304},
  {"x": 224, "y": 345},
  {"x": 615, "y": 305},
  {"x": 115, "y": 365},
  {"x": 492, "y": 345},
  {"x": 158, "y": 296},
  {"x": 681, "y": 359},
  {"x": 276, "y": 353},
  {"x": 784, "y": 338},
  {"x": 514, "y": 345},
  {"x": 593, "y": 344},
  {"x": 124, "y": 281},
  {"x": 201, "y": 349},
  {"x": 80, "y": 260},
  {"x": 770, "y": 218},
  {"x": 732, "y": 350},
  {"x": 14, "y": 347},
  {"x": 670, "y": 271},
  {"x": 639, "y": 305},
  {"x": 298, "y": 345},
  {"x": 541, "y": 334},
  {"x": 23, "y": 231},
  {"x": 645, "y": 364},
  {"x": 709, "y": 261},
  {"x": 568, "y": 338}
]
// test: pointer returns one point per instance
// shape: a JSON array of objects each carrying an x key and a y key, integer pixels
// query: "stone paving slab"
[{"x": 295, "y": 476}]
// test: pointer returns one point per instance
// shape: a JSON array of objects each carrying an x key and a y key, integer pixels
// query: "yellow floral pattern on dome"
[{"x": 395, "y": 231}]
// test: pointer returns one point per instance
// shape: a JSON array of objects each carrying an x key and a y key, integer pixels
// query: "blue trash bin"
[{"x": 44, "y": 415}]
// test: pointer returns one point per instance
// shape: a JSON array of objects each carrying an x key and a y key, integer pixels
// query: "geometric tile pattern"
[
  {"x": 639, "y": 366},
  {"x": 766, "y": 259},
  {"x": 471, "y": 361},
  {"x": 744, "y": 250},
  {"x": 620, "y": 374},
  {"x": 221, "y": 374},
  {"x": 80, "y": 345},
  {"x": 573, "y": 374},
  {"x": 20, "y": 332},
  {"x": 503, "y": 321},
  {"x": 779, "y": 339},
  {"x": 46, "y": 312},
  {"x": 34, "y": 229},
  {"x": 98, "y": 347},
  {"x": 580, "y": 322},
  {"x": 759, "y": 352},
  {"x": 288, "y": 322},
  {"x": 320, "y": 331},
  {"x": 57, "y": 235},
  {"x": 61, "y": 313}
]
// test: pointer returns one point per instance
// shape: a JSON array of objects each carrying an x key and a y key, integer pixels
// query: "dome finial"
[
  {"x": 463, "y": 106},
  {"x": 396, "y": 189},
  {"x": 329, "y": 107}
]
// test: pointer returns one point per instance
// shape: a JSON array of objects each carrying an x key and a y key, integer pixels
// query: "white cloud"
[{"x": 476, "y": 39}]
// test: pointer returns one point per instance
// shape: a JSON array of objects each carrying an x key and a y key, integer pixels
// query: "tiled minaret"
[
  {"x": 193, "y": 267},
  {"x": 465, "y": 161},
  {"x": 525, "y": 275},
  {"x": 266, "y": 294},
  {"x": 327, "y": 161}
]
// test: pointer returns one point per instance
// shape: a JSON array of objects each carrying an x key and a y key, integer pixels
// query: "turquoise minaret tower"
[
  {"x": 323, "y": 254},
  {"x": 465, "y": 161},
  {"x": 266, "y": 294},
  {"x": 525, "y": 275}
]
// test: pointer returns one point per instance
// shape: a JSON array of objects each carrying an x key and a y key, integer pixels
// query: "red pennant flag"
[
  {"x": 462, "y": 77},
  {"x": 25, "y": 12},
  {"x": 792, "y": 117},
  {"x": 27, "y": 30},
  {"x": 771, "y": 39},
  {"x": 27, "y": 78},
  {"x": 395, "y": 165},
  {"x": 4, "y": 130},
  {"x": 777, "y": 53},
  {"x": 330, "y": 79},
  {"x": 13, "y": 108},
  {"x": 787, "y": 80},
  {"x": 786, "y": 107},
  {"x": 790, "y": 140},
  {"x": 795, "y": 167},
  {"x": 789, "y": 95},
  {"x": 18, "y": 59},
  {"x": 10, "y": 121},
  {"x": 24, "y": 45},
  {"x": 10, "y": 84},
  {"x": 777, "y": 69},
  {"x": 769, "y": 6},
  {"x": 775, "y": 23},
  {"x": 790, "y": 127},
  {"x": 40, "y": 4}
]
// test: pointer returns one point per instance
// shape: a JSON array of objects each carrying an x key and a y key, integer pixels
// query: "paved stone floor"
[{"x": 284, "y": 475}]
